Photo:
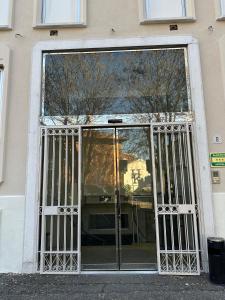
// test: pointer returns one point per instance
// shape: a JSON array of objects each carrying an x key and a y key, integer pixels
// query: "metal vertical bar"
[
  {"x": 162, "y": 192},
  {"x": 79, "y": 199},
  {"x": 188, "y": 127},
  {"x": 160, "y": 167},
  {"x": 44, "y": 198},
  {"x": 187, "y": 236},
  {"x": 73, "y": 170},
  {"x": 52, "y": 194},
  {"x": 66, "y": 171},
  {"x": 188, "y": 196},
  {"x": 175, "y": 190},
  {"x": 59, "y": 195},
  {"x": 151, "y": 133},
  {"x": 65, "y": 202},
  {"x": 180, "y": 145},
  {"x": 169, "y": 190},
  {"x": 167, "y": 166}
]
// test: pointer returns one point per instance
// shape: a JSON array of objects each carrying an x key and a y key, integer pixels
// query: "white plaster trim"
[
  {"x": 4, "y": 62},
  {"x": 168, "y": 20},
  {"x": 202, "y": 152},
  {"x": 31, "y": 211}
]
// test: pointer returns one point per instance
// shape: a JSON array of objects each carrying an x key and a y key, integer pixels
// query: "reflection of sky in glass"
[{"x": 135, "y": 83}]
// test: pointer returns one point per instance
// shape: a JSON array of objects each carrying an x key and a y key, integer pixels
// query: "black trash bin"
[{"x": 216, "y": 252}]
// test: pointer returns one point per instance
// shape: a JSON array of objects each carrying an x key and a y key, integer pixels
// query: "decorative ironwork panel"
[
  {"x": 59, "y": 200},
  {"x": 175, "y": 198}
]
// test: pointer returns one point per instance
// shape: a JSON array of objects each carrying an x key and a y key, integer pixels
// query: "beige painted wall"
[{"x": 102, "y": 16}]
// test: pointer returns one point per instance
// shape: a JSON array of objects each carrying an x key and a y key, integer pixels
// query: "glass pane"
[
  {"x": 131, "y": 85},
  {"x": 160, "y": 9},
  {"x": 99, "y": 223},
  {"x": 58, "y": 11},
  {"x": 4, "y": 12},
  {"x": 138, "y": 242}
]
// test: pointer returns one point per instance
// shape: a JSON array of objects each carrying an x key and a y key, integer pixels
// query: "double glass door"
[{"x": 117, "y": 205}]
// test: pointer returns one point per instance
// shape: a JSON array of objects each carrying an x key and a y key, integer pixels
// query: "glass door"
[
  {"x": 136, "y": 216},
  {"x": 99, "y": 231},
  {"x": 118, "y": 226}
]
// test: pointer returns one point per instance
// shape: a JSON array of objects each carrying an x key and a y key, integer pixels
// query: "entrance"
[
  {"x": 115, "y": 198},
  {"x": 118, "y": 172},
  {"x": 117, "y": 204}
]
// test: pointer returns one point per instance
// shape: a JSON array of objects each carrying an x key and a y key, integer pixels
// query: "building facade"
[{"x": 109, "y": 113}]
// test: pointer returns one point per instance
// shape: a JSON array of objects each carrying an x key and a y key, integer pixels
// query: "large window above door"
[
  {"x": 60, "y": 13},
  {"x": 129, "y": 86},
  {"x": 164, "y": 10}
]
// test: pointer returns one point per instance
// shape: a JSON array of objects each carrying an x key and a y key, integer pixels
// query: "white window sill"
[
  {"x": 5, "y": 27},
  {"x": 169, "y": 20},
  {"x": 60, "y": 25},
  {"x": 221, "y": 18}
]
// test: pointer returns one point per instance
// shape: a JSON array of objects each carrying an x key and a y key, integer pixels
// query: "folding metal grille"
[
  {"x": 175, "y": 198},
  {"x": 59, "y": 200}
]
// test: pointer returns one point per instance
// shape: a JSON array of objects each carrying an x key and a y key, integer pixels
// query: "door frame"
[{"x": 29, "y": 264}]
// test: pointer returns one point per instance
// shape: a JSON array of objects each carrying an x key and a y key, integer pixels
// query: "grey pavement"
[{"x": 90, "y": 287}]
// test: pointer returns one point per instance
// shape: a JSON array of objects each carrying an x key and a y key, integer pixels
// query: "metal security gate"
[
  {"x": 174, "y": 192},
  {"x": 175, "y": 198},
  {"x": 59, "y": 241}
]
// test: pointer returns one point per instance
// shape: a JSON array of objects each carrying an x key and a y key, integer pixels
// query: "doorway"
[{"x": 117, "y": 203}]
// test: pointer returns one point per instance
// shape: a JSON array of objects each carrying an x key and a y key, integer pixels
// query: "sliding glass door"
[{"x": 118, "y": 227}]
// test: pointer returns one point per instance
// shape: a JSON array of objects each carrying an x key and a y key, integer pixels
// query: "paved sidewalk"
[{"x": 119, "y": 287}]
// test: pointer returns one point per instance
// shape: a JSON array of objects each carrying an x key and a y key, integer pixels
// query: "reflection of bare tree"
[
  {"x": 79, "y": 86},
  {"x": 160, "y": 83},
  {"x": 75, "y": 86}
]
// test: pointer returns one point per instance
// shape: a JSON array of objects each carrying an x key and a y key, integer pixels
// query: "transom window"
[
  {"x": 130, "y": 86},
  {"x": 63, "y": 12},
  {"x": 4, "y": 12}
]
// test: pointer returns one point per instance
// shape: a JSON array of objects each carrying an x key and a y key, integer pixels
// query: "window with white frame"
[
  {"x": 4, "y": 12},
  {"x": 165, "y": 9},
  {"x": 222, "y": 8},
  {"x": 62, "y": 11}
]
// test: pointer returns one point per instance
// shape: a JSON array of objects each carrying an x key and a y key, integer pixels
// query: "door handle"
[{"x": 117, "y": 193}]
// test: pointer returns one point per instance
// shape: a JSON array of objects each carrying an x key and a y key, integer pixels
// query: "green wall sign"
[{"x": 217, "y": 160}]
